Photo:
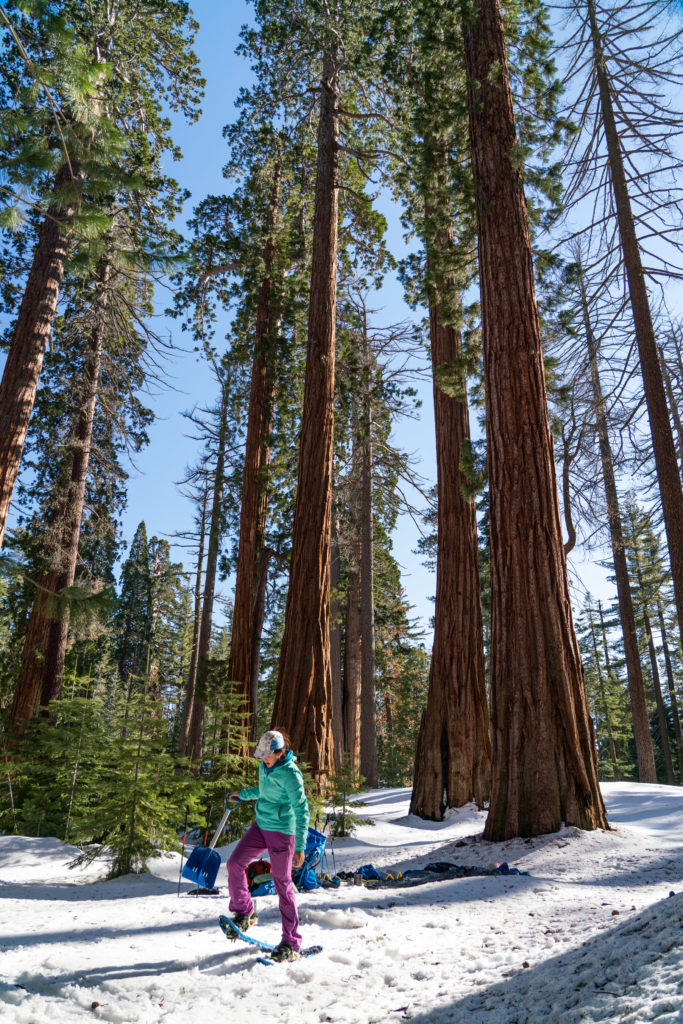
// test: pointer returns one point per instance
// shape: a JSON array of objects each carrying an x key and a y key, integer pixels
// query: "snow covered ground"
[{"x": 593, "y": 933}]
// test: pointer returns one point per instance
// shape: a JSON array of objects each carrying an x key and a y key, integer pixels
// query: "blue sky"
[{"x": 152, "y": 494}]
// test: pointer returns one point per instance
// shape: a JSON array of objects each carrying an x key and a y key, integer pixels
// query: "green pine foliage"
[
  {"x": 136, "y": 793},
  {"x": 346, "y": 781},
  {"x": 607, "y": 692},
  {"x": 402, "y": 680}
]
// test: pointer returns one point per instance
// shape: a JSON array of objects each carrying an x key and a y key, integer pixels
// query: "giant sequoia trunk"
[
  {"x": 195, "y": 743},
  {"x": 368, "y": 722},
  {"x": 29, "y": 339},
  {"x": 254, "y": 482},
  {"x": 544, "y": 760},
  {"x": 636, "y": 688},
  {"x": 663, "y": 447},
  {"x": 453, "y": 754},
  {"x": 46, "y": 639},
  {"x": 304, "y": 690}
]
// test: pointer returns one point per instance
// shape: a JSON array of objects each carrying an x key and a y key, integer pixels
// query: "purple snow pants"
[{"x": 281, "y": 851}]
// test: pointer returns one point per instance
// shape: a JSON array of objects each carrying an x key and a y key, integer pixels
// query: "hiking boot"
[
  {"x": 284, "y": 952},
  {"x": 244, "y": 921}
]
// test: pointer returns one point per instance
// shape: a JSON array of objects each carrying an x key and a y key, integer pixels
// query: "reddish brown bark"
[
  {"x": 353, "y": 671},
  {"x": 544, "y": 760},
  {"x": 634, "y": 672},
  {"x": 368, "y": 725},
  {"x": 254, "y": 478},
  {"x": 453, "y": 754},
  {"x": 46, "y": 639},
  {"x": 258, "y": 619},
  {"x": 664, "y": 450},
  {"x": 29, "y": 340},
  {"x": 673, "y": 405},
  {"x": 191, "y": 685},
  {"x": 335, "y": 649},
  {"x": 304, "y": 690},
  {"x": 195, "y": 744}
]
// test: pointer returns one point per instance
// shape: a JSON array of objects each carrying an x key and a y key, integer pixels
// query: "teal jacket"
[{"x": 281, "y": 804}]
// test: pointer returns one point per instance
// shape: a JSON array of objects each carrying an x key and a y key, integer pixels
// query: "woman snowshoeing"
[{"x": 281, "y": 827}]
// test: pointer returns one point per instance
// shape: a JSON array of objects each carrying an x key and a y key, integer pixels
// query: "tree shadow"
[
  {"x": 133, "y": 887},
  {"x": 231, "y": 961},
  {"x": 600, "y": 980}
]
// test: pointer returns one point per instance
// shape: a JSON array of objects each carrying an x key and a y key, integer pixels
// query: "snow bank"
[{"x": 590, "y": 934}]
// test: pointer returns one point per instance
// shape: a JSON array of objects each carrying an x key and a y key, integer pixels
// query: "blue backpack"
[{"x": 305, "y": 878}]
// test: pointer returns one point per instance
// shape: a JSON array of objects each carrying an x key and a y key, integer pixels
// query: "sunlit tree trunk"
[
  {"x": 30, "y": 337},
  {"x": 671, "y": 686},
  {"x": 304, "y": 690},
  {"x": 603, "y": 697},
  {"x": 335, "y": 649},
  {"x": 668, "y": 475},
  {"x": 46, "y": 639},
  {"x": 543, "y": 747},
  {"x": 636, "y": 687},
  {"x": 368, "y": 721},
  {"x": 353, "y": 670},
  {"x": 196, "y": 627},
  {"x": 453, "y": 754},
  {"x": 195, "y": 745},
  {"x": 254, "y": 482},
  {"x": 654, "y": 667}
]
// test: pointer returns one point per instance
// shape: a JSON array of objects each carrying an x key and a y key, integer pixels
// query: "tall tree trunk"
[
  {"x": 544, "y": 759},
  {"x": 30, "y": 336},
  {"x": 659, "y": 700},
  {"x": 453, "y": 754},
  {"x": 605, "y": 705},
  {"x": 368, "y": 721},
  {"x": 196, "y": 628},
  {"x": 195, "y": 744},
  {"x": 353, "y": 670},
  {"x": 673, "y": 405},
  {"x": 671, "y": 686},
  {"x": 304, "y": 691},
  {"x": 254, "y": 482},
  {"x": 335, "y": 648},
  {"x": 605, "y": 647},
  {"x": 641, "y": 720},
  {"x": 668, "y": 475},
  {"x": 656, "y": 683},
  {"x": 46, "y": 639},
  {"x": 259, "y": 614}
]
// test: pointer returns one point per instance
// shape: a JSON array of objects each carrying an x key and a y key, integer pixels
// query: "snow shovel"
[{"x": 203, "y": 863}]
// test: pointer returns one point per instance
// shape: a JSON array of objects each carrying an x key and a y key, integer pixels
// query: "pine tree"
[
  {"x": 625, "y": 160},
  {"x": 332, "y": 42},
  {"x": 606, "y": 695},
  {"x": 109, "y": 139},
  {"x": 645, "y": 561}
]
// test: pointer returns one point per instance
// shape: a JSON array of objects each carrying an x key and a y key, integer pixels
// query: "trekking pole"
[{"x": 182, "y": 853}]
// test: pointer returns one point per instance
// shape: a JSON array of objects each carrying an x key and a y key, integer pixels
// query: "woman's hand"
[
  {"x": 234, "y": 798},
  {"x": 298, "y": 859}
]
